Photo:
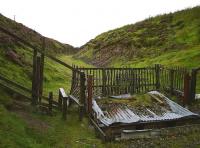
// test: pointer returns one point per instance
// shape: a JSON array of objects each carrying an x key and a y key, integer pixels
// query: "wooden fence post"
[
  {"x": 38, "y": 83},
  {"x": 34, "y": 77},
  {"x": 65, "y": 107},
  {"x": 157, "y": 70},
  {"x": 186, "y": 88},
  {"x": 42, "y": 70},
  {"x": 171, "y": 77},
  {"x": 193, "y": 85},
  {"x": 89, "y": 90},
  {"x": 82, "y": 94},
  {"x": 103, "y": 82},
  {"x": 60, "y": 100},
  {"x": 50, "y": 102}
]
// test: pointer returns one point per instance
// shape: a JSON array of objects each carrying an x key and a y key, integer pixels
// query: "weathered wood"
[
  {"x": 89, "y": 90},
  {"x": 81, "y": 112},
  {"x": 60, "y": 100},
  {"x": 100, "y": 131},
  {"x": 75, "y": 100},
  {"x": 50, "y": 102},
  {"x": 17, "y": 92},
  {"x": 156, "y": 98},
  {"x": 42, "y": 70},
  {"x": 186, "y": 89},
  {"x": 15, "y": 84},
  {"x": 193, "y": 85},
  {"x": 38, "y": 79},
  {"x": 103, "y": 82},
  {"x": 34, "y": 76},
  {"x": 157, "y": 71},
  {"x": 65, "y": 100},
  {"x": 82, "y": 93},
  {"x": 171, "y": 75},
  {"x": 115, "y": 81}
]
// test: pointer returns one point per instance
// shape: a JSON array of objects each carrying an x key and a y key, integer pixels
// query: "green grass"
[
  {"x": 188, "y": 57},
  {"x": 145, "y": 40},
  {"x": 16, "y": 132}
]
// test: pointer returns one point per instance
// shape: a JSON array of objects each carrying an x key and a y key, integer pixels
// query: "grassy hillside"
[
  {"x": 20, "y": 124},
  {"x": 153, "y": 39},
  {"x": 33, "y": 37},
  {"x": 16, "y": 58}
]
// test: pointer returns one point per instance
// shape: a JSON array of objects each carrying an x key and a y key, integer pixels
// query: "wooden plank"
[
  {"x": 101, "y": 132},
  {"x": 15, "y": 91},
  {"x": 75, "y": 100},
  {"x": 156, "y": 98},
  {"x": 15, "y": 84}
]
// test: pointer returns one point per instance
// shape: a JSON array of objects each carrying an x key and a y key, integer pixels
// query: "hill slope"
[
  {"x": 16, "y": 58},
  {"x": 148, "y": 39},
  {"x": 31, "y": 36},
  {"x": 22, "y": 125}
]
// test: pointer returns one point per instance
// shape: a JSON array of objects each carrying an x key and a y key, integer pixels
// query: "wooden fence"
[
  {"x": 172, "y": 79},
  {"x": 116, "y": 81}
]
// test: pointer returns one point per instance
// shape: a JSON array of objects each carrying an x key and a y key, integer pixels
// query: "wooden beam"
[{"x": 156, "y": 98}]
